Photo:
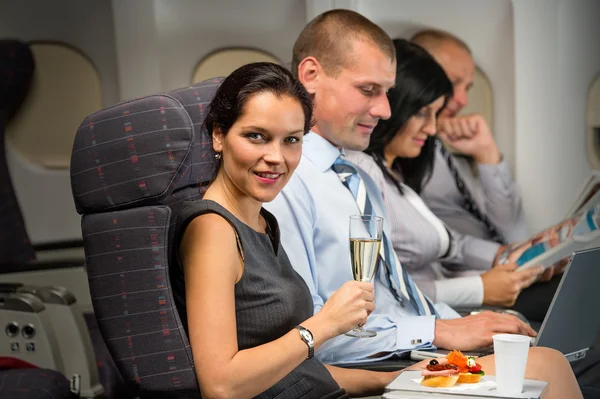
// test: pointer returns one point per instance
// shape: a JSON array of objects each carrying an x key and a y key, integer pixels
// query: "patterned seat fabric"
[
  {"x": 33, "y": 384},
  {"x": 132, "y": 167}
]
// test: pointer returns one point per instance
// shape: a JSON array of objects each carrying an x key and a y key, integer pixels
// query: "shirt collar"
[{"x": 320, "y": 151}]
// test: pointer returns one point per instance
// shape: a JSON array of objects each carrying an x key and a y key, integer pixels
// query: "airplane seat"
[
  {"x": 18, "y": 256},
  {"x": 16, "y": 71},
  {"x": 43, "y": 383},
  {"x": 17, "y": 66},
  {"x": 133, "y": 166}
]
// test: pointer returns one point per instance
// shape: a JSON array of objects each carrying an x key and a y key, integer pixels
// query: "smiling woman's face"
[
  {"x": 263, "y": 147},
  {"x": 410, "y": 139}
]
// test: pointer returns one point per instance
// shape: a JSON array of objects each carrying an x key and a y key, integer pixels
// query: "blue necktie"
[{"x": 400, "y": 282}]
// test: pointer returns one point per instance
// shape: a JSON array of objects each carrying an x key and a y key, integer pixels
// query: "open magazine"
[
  {"x": 588, "y": 190},
  {"x": 580, "y": 230}
]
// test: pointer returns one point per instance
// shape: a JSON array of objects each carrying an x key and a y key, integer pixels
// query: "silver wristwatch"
[{"x": 307, "y": 337}]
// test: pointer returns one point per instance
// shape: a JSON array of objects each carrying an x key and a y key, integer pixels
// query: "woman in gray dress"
[{"x": 249, "y": 314}]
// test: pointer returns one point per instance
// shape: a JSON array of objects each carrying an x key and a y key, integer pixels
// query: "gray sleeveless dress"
[{"x": 270, "y": 300}]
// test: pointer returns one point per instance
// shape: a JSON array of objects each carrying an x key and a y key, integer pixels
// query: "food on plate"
[
  {"x": 454, "y": 368},
  {"x": 439, "y": 374}
]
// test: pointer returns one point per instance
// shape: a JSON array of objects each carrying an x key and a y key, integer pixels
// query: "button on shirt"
[{"x": 313, "y": 211}]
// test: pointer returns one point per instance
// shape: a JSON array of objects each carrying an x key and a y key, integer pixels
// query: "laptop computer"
[{"x": 573, "y": 318}]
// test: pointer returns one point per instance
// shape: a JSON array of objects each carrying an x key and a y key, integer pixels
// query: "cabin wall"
[
  {"x": 45, "y": 194},
  {"x": 160, "y": 50},
  {"x": 489, "y": 34},
  {"x": 557, "y": 59}
]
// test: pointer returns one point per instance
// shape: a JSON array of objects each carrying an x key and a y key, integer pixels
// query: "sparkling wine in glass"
[{"x": 365, "y": 241}]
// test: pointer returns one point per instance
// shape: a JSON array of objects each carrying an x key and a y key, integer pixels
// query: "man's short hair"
[
  {"x": 328, "y": 38},
  {"x": 430, "y": 39}
]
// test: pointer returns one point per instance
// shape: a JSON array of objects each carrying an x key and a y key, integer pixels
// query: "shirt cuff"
[
  {"x": 491, "y": 172},
  {"x": 460, "y": 292},
  {"x": 415, "y": 331}
]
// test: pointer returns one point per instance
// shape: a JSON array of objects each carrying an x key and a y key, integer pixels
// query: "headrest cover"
[
  {"x": 16, "y": 72},
  {"x": 140, "y": 152}
]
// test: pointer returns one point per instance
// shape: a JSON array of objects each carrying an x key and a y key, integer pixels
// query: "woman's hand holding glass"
[{"x": 348, "y": 307}]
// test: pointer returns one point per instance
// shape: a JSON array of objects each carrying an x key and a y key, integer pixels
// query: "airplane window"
[
  {"x": 65, "y": 89},
  {"x": 480, "y": 97},
  {"x": 223, "y": 62},
  {"x": 593, "y": 124}
]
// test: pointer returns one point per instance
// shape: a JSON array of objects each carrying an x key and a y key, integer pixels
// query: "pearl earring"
[{"x": 218, "y": 156}]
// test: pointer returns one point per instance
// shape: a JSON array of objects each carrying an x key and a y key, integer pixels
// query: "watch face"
[{"x": 306, "y": 335}]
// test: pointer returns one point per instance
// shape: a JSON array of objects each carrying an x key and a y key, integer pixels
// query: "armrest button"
[
  {"x": 12, "y": 329},
  {"x": 28, "y": 331}
]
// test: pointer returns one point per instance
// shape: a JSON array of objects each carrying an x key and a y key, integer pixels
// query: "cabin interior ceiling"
[{"x": 540, "y": 57}]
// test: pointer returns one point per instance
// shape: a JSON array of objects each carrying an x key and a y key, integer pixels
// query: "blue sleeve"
[{"x": 295, "y": 216}]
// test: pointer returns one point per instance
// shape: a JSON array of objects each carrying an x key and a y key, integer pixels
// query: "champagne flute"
[{"x": 365, "y": 241}]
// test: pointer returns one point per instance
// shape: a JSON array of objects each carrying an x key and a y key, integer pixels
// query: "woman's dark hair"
[
  {"x": 248, "y": 80},
  {"x": 420, "y": 80}
]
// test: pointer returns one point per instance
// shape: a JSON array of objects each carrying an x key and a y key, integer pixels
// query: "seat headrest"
[
  {"x": 141, "y": 152},
  {"x": 16, "y": 72}
]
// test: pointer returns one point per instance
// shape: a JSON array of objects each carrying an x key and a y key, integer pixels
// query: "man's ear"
[
  {"x": 309, "y": 71},
  {"x": 217, "y": 139}
]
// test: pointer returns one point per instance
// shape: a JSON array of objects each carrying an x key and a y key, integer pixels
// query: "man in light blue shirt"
[
  {"x": 321, "y": 207},
  {"x": 347, "y": 64}
]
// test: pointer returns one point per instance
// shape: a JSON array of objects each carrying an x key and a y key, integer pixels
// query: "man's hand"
[
  {"x": 470, "y": 135},
  {"x": 476, "y": 331}
]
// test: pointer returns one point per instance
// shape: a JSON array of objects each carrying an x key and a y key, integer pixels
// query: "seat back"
[
  {"x": 16, "y": 72},
  {"x": 132, "y": 167}
]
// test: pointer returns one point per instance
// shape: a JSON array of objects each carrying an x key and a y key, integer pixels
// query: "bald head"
[
  {"x": 455, "y": 58},
  {"x": 330, "y": 38},
  {"x": 431, "y": 40}
]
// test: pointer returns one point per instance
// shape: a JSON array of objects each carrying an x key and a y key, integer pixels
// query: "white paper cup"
[{"x": 511, "y": 352}]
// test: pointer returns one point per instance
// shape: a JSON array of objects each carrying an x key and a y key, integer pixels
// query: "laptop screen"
[{"x": 573, "y": 318}]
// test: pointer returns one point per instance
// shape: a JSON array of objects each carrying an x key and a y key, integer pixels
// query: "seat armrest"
[
  {"x": 9, "y": 288},
  {"x": 72, "y": 336},
  {"x": 26, "y": 331},
  {"x": 18, "y": 267},
  {"x": 55, "y": 245},
  {"x": 68, "y": 274}
]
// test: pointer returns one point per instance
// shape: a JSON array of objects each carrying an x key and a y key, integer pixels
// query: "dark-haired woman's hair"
[
  {"x": 420, "y": 80},
  {"x": 248, "y": 80}
]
